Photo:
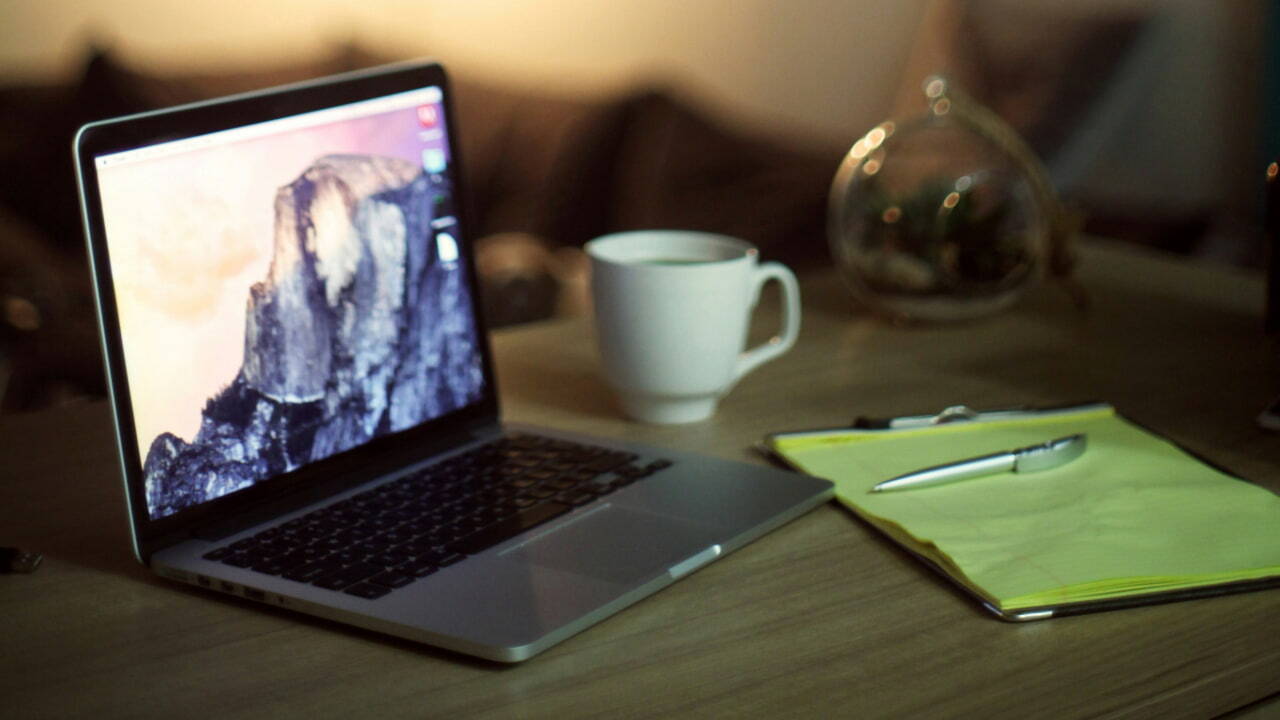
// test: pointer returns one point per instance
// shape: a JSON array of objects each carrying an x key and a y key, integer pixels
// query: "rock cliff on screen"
[{"x": 360, "y": 328}]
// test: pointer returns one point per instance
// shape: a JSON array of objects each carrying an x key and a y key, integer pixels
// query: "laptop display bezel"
[{"x": 382, "y": 454}]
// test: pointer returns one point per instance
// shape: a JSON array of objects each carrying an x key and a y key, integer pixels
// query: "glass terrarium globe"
[{"x": 941, "y": 218}]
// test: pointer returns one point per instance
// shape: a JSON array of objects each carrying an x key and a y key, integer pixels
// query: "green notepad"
[{"x": 1134, "y": 520}]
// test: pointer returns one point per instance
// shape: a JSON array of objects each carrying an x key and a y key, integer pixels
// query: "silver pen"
[{"x": 1032, "y": 458}]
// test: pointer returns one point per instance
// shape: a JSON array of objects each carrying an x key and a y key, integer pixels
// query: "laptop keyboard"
[{"x": 388, "y": 537}]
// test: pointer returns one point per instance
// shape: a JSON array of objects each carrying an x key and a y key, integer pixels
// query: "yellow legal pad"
[{"x": 1134, "y": 519}]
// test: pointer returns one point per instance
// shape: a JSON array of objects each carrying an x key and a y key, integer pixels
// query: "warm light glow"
[
  {"x": 1272, "y": 170},
  {"x": 891, "y": 214},
  {"x": 951, "y": 200},
  {"x": 942, "y": 107},
  {"x": 605, "y": 51},
  {"x": 871, "y": 141},
  {"x": 22, "y": 314},
  {"x": 871, "y": 167},
  {"x": 935, "y": 87}
]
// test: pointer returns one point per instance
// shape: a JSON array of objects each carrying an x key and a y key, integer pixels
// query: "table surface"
[{"x": 819, "y": 617}]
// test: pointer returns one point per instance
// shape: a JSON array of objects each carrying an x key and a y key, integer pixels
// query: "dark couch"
[{"x": 557, "y": 170}]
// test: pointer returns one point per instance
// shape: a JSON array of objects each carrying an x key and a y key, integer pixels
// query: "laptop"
[{"x": 304, "y": 398}]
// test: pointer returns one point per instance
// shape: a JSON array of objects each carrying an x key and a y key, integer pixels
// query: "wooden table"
[{"x": 819, "y": 618}]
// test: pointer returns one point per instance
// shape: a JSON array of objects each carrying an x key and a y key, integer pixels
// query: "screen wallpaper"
[{"x": 287, "y": 292}]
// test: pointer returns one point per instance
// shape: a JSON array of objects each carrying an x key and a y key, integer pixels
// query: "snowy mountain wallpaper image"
[{"x": 354, "y": 322}]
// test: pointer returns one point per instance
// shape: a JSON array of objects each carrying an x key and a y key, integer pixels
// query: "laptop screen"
[{"x": 286, "y": 291}]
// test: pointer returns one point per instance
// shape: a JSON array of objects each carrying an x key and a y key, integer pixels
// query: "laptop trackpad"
[{"x": 614, "y": 544}]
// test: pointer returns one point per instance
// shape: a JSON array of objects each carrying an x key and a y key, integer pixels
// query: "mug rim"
[{"x": 604, "y": 248}]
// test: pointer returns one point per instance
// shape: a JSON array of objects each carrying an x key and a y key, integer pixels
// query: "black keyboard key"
[
  {"x": 420, "y": 545},
  {"x": 312, "y": 571},
  {"x": 609, "y": 461},
  {"x": 602, "y": 485},
  {"x": 510, "y": 527},
  {"x": 419, "y": 568},
  {"x": 273, "y": 547},
  {"x": 436, "y": 539},
  {"x": 311, "y": 553},
  {"x": 581, "y": 474},
  {"x": 387, "y": 559},
  {"x": 561, "y": 483},
  {"x": 289, "y": 561},
  {"x": 392, "y": 579},
  {"x": 304, "y": 535},
  {"x": 345, "y": 557},
  {"x": 332, "y": 544},
  {"x": 504, "y": 491},
  {"x": 631, "y": 471},
  {"x": 396, "y": 537},
  {"x": 466, "y": 525},
  {"x": 241, "y": 560},
  {"x": 490, "y": 512},
  {"x": 217, "y": 553},
  {"x": 575, "y": 497},
  {"x": 510, "y": 471},
  {"x": 368, "y": 591},
  {"x": 405, "y": 513},
  {"x": 367, "y": 548},
  {"x": 619, "y": 480},
  {"x": 347, "y": 576},
  {"x": 440, "y": 557},
  {"x": 372, "y": 544},
  {"x": 421, "y": 526},
  {"x": 268, "y": 567}
]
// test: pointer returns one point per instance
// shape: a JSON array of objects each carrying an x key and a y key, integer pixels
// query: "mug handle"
[{"x": 782, "y": 342}]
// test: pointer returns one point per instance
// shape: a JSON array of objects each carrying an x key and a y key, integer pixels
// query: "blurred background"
[{"x": 580, "y": 117}]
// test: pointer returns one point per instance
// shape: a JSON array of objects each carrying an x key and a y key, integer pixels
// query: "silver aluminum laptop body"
[{"x": 287, "y": 303}]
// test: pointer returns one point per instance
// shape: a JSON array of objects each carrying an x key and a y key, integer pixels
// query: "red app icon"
[{"x": 428, "y": 115}]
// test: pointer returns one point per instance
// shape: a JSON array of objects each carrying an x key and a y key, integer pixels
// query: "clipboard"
[{"x": 1117, "y": 468}]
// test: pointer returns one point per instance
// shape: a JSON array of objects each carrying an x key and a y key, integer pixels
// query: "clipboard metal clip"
[
  {"x": 954, "y": 413},
  {"x": 962, "y": 413}
]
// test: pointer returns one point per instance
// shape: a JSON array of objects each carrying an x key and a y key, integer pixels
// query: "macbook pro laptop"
[{"x": 304, "y": 399}]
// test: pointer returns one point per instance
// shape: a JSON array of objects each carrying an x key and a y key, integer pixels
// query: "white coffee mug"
[{"x": 672, "y": 310}]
